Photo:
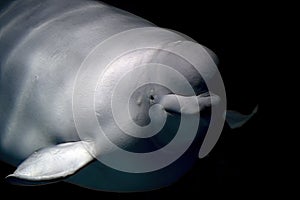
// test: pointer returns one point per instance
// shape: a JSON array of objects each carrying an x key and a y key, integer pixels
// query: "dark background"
[{"x": 242, "y": 160}]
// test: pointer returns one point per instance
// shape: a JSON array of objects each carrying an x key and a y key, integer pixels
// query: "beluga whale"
[{"x": 101, "y": 98}]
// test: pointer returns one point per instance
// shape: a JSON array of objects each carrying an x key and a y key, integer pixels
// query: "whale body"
[{"x": 44, "y": 46}]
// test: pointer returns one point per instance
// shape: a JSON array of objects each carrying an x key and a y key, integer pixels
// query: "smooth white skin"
[
  {"x": 40, "y": 58},
  {"x": 39, "y": 61},
  {"x": 189, "y": 106}
]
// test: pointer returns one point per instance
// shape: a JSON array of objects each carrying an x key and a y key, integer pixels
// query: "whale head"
[{"x": 146, "y": 104}]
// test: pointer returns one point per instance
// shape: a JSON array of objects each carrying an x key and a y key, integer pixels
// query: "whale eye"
[
  {"x": 142, "y": 99},
  {"x": 151, "y": 97}
]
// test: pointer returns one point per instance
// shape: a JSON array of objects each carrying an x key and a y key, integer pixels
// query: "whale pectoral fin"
[
  {"x": 52, "y": 164},
  {"x": 235, "y": 119},
  {"x": 188, "y": 104}
]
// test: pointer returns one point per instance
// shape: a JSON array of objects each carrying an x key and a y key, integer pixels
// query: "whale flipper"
[
  {"x": 51, "y": 164},
  {"x": 235, "y": 119}
]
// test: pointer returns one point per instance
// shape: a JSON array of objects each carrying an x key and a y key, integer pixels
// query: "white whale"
[{"x": 43, "y": 45}]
